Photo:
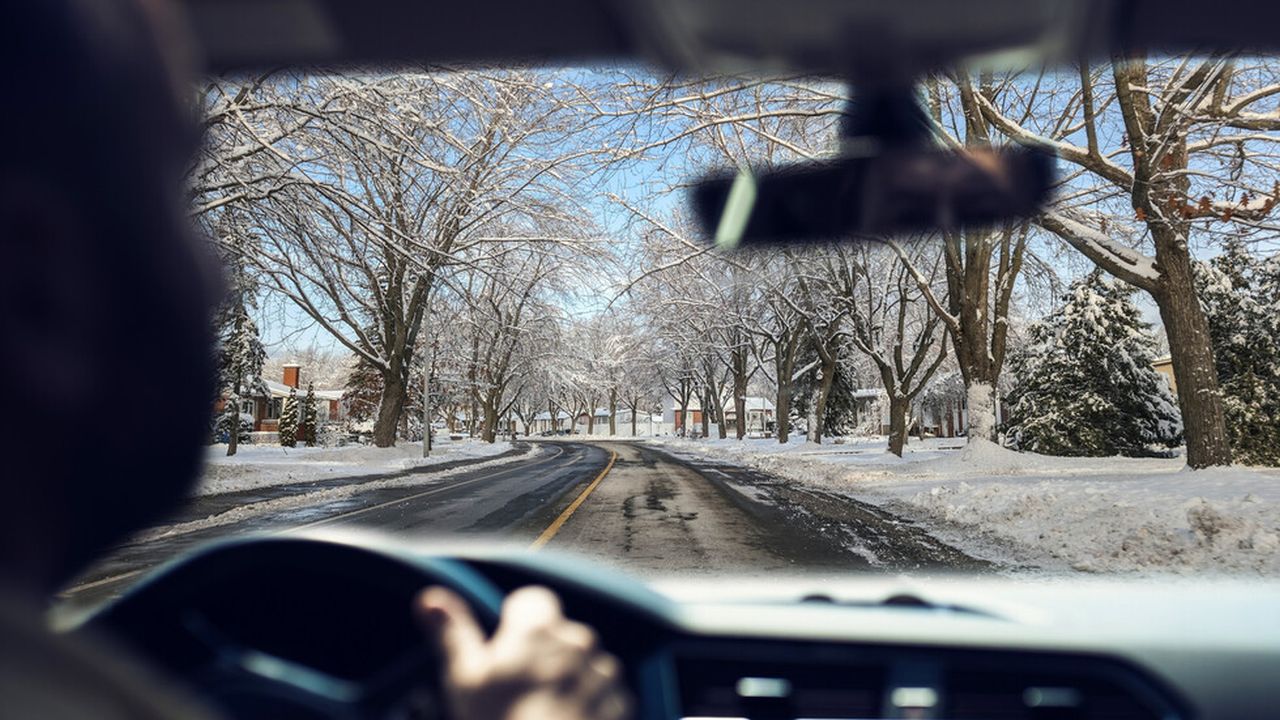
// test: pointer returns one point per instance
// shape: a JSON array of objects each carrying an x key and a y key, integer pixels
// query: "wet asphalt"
[{"x": 652, "y": 514}]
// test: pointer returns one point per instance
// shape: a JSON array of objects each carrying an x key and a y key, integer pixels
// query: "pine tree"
[
  {"x": 288, "y": 426},
  {"x": 1084, "y": 382},
  {"x": 309, "y": 415},
  {"x": 841, "y": 413},
  {"x": 240, "y": 359},
  {"x": 1240, "y": 295}
]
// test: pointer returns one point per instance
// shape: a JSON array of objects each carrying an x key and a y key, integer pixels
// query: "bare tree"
[
  {"x": 387, "y": 183},
  {"x": 897, "y": 329}
]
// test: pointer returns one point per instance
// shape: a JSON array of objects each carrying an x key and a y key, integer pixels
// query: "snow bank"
[
  {"x": 1086, "y": 514},
  {"x": 257, "y": 466}
]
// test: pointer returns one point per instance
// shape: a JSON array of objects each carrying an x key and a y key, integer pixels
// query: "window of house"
[
  {"x": 273, "y": 409},
  {"x": 246, "y": 407}
]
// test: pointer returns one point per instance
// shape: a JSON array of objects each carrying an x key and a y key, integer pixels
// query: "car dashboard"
[{"x": 796, "y": 647}]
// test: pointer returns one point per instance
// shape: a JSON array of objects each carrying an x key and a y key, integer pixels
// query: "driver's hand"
[{"x": 538, "y": 666}]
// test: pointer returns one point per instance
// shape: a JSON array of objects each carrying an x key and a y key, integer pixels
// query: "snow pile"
[
  {"x": 257, "y": 466},
  {"x": 1116, "y": 514}
]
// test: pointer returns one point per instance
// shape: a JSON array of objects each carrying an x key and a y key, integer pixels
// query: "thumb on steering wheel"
[{"x": 448, "y": 620}]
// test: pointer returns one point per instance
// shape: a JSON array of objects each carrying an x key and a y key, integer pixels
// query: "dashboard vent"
[
  {"x": 1006, "y": 695},
  {"x": 777, "y": 681},
  {"x": 765, "y": 690}
]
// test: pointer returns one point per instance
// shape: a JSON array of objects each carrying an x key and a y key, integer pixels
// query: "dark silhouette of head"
[{"x": 105, "y": 361}]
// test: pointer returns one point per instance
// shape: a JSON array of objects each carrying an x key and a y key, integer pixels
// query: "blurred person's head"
[{"x": 105, "y": 362}]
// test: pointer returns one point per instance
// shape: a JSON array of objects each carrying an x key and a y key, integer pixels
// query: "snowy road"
[{"x": 632, "y": 506}]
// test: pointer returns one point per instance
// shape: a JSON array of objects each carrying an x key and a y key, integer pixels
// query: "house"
[
  {"x": 1164, "y": 366},
  {"x": 542, "y": 422},
  {"x": 598, "y": 419},
  {"x": 265, "y": 409},
  {"x": 760, "y": 412}
]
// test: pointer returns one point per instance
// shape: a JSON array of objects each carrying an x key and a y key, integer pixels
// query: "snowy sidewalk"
[{"x": 1115, "y": 514}]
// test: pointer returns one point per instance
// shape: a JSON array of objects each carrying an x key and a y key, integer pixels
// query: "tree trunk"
[
  {"x": 706, "y": 414},
  {"x": 740, "y": 380},
  {"x": 634, "y": 407},
  {"x": 783, "y": 416},
  {"x": 980, "y": 395},
  {"x": 489, "y": 430},
  {"x": 233, "y": 439},
  {"x": 898, "y": 410},
  {"x": 1199, "y": 397},
  {"x": 821, "y": 395},
  {"x": 613, "y": 411},
  {"x": 389, "y": 409}
]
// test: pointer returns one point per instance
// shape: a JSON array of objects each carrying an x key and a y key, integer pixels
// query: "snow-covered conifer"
[
  {"x": 1085, "y": 384},
  {"x": 240, "y": 359},
  {"x": 1240, "y": 294},
  {"x": 288, "y": 427},
  {"x": 309, "y": 416}
]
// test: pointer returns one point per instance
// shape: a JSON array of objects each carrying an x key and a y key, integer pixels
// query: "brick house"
[{"x": 265, "y": 409}]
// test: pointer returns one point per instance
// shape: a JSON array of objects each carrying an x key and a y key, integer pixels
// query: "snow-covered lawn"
[
  {"x": 1089, "y": 514},
  {"x": 256, "y": 466}
]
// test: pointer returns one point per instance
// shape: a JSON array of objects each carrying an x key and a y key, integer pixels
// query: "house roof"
[
  {"x": 545, "y": 415},
  {"x": 277, "y": 389}
]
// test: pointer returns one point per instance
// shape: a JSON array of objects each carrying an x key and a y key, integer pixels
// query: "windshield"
[{"x": 475, "y": 304}]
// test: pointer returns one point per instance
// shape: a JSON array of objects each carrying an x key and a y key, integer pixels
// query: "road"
[{"x": 643, "y": 510}]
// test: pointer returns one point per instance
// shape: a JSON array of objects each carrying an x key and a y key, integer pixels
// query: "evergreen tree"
[
  {"x": 1240, "y": 295},
  {"x": 240, "y": 359},
  {"x": 841, "y": 413},
  {"x": 231, "y": 418},
  {"x": 288, "y": 427},
  {"x": 239, "y": 352},
  {"x": 309, "y": 415},
  {"x": 1084, "y": 382}
]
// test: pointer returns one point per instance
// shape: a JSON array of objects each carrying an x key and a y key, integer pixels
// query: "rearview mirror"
[{"x": 902, "y": 190}]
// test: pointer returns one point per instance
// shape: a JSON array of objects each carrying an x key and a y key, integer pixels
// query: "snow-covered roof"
[
  {"x": 759, "y": 403},
  {"x": 544, "y": 415},
  {"x": 868, "y": 393},
  {"x": 752, "y": 403},
  {"x": 278, "y": 389}
]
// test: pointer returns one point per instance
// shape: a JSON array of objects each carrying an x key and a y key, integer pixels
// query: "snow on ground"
[
  {"x": 1135, "y": 515},
  {"x": 257, "y": 466}
]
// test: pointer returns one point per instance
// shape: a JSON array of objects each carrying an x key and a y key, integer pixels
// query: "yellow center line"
[{"x": 554, "y": 527}]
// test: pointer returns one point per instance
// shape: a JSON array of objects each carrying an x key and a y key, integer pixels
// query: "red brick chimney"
[{"x": 291, "y": 374}]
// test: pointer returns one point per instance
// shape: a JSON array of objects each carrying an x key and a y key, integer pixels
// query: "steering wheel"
[{"x": 296, "y": 628}]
